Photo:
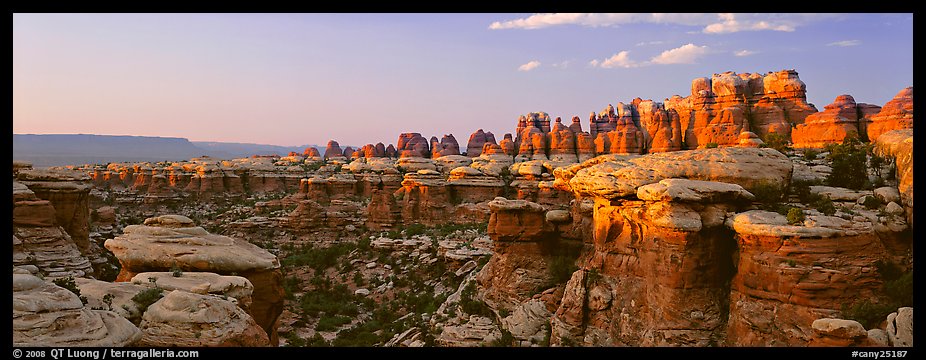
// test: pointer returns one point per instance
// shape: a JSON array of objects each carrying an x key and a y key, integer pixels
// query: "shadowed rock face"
[
  {"x": 170, "y": 241},
  {"x": 38, "y": 238}
]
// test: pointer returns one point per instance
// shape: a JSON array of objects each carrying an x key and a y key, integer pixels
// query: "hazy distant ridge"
[{"x": 77, "y": 149}]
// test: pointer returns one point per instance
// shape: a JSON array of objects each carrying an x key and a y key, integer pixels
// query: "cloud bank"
[{"x": 723, "y": 23}]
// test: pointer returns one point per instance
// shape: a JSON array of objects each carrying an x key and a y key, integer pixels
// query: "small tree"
[{"x": 849, "y": 164}]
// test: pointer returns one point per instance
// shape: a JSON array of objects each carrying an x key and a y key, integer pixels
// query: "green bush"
[
  {"x": 767, "y": 193},
  {"x": 505, "y": 340},
  {"x": 561, "y": 269},
  {"x": 778, "y": 142},
  {"x": 329, "y": 323},
  {"x": 293, "y": 340},
  {"x": 414, "y": 229},
  {"x": 146, "y": 297},
  {"x": 795, "y": 216},
  {"x": 898, "y": 287},
  {"x": 317, "y": 341},
  {"x": 318, "y": 259},
  {"x": 290, "y": 287},
  {"x": 472, "y": 306},
  {"x": 69, "y": 284},
  {"x": 810, "y": 154},
  {"x": 867, "y": 313},
  {"x": 849, "y": 164},
  {"x": 333, "y": 300},
  {"x": 871, "y": 202},
  {"x": 711, "y": 145}
]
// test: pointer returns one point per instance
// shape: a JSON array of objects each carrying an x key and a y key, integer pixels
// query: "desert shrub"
[
  {"x": 69, "y": 284},
  {"x": 290, "y": 287},
  {"x": 849, "y": 164},
  {"x": 867, "y": 313},
  {"x": 318, "y": 259},
  {"x": 561, "y": 269},
  {"x": 898, "y": 288},
  {"x": 414, "y": 229},
  {"x": 146, "y": 297},
  {"x": 795, "y": 216},
  {"x": 767, "y": 193},
  {"x": 329, "y": 323},
  {"x": 810, "y": 154},
  {"x": 871, "y": 202},
  {"x": 333, "y": 300},
  {"x": 711, "y": 145},
  {"x": 505, "y": 340},
  {"x": 358, "y": 279},
  {"x": 293, "y": 340},
  {"x": 778, "y": 142},
  {"x": 317, "y": 341},
  {"x": 472, "y": 306}
]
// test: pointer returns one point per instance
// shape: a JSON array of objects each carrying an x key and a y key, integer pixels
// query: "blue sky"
[{"x": 292, "y": 79}]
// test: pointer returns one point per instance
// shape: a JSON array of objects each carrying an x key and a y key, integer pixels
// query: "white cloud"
[
  {"x": 744, "y": 53},
  {"x": 709, "y": 23},
  {"x": 644, "y": 43},
  {"x": 685, "y": 54},
  {"x": 562, "y": 65},
  {"x": 730, "y": 24},
  {"x": 845, "y": 43},
  {"x": 621, "y": 59},
  {"x": 531, "y": 65}
]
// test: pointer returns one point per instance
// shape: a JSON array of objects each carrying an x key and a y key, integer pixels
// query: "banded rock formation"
[{"x": 173, "y": 241}]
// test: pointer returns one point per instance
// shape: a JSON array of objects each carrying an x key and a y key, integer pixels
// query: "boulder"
[
  {"x": 171, "y": 241},
  {"x": 45, "y": 314},
  {"x": 184, "y": 319}
]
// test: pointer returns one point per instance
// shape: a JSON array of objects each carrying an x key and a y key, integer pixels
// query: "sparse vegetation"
[
  {"x": 472, "y": 306},
  {"x": 810, "y": 154},
  {"x": 767, "y": 193},
  {"x": 898, "y": 292},
  {"x": 69, "y": 284},
  {"x": 849, "y": 164},
  {"x": 146, "y": 297},
  {"x": 795, "y": 216},
  {"x": 871, "y": 202},
  {"x": 711, "y": 145},
  {"x": 778, "y": 142}
]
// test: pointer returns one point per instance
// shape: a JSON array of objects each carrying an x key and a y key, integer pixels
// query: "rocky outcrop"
[
  {"x": 333, "y": 150},
  {"x": 838, "y": 332},
  {"x": 412, "y": 145},
  {"x": 898, "y": 144},
  {"x": 192, "y": 320},
  {"x": 724, "y": 105},
  {"x": 654, "y": 274},
  {"x": 69, "y": 194},
  {"x": 617, "y": 176},
  {"x": 39, "y": 240},
  {"x": 900, "y": 327},
  {"x": 48, "y": 315},
  {"x": 837, "y": 122},
  {"x": 447, "y": 146},
  {"x": 203, "y": 283},
  {"x": 172, "y": 241},
  {"x": 794, "y": 274},
  {"x": 896, "y": 114}
]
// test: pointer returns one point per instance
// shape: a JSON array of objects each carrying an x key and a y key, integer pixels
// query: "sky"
[{"x": 295, "y": 79}]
